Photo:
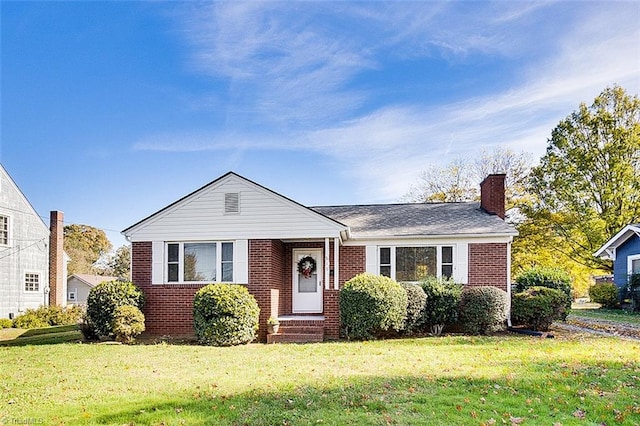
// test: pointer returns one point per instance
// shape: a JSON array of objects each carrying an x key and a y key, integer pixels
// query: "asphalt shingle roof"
[{"x": 428, "y": 219}]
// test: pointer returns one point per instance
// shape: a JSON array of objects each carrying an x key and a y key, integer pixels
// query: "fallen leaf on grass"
[{"x": 579, "y": 414}]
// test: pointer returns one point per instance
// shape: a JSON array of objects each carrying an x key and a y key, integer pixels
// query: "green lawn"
[
  {"x": 578, "y": 380},
  {"x": 616, "y": 315}
]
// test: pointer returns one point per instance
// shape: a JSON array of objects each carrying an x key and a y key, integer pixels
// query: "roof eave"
[
  {"x": 616, "y": 241},
  {"x": 433, "y": 236}
]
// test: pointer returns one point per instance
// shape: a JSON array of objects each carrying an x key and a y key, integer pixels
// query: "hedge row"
[{"x": 372, "y": 306}]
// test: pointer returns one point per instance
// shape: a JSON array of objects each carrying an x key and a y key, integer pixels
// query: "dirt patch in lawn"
[{"x": 599, "y": 326}]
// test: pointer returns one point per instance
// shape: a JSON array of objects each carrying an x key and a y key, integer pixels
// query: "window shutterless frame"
[
  {"x": 32, "y": 282},
  {"x": 394, "y": 258},
  {"x": 189, "y": 262}
]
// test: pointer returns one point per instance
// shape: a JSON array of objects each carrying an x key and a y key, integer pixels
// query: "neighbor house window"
[
  {"x": 200, "y": 262},
  {"x": 4, "y": 230},
  {"x": 31, "y": 282},
  {"x": 407, "y": 264},
  {"x": 72, "y": 296}
]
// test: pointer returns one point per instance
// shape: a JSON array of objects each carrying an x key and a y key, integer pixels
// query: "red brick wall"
[
  {"x": 352, "y": 263},
  {"x": 488, "y": 264},
  {"x": 57, "y": 296},
  {"x": 266, "y": 276},
  {"x": 168, "y": 308}
]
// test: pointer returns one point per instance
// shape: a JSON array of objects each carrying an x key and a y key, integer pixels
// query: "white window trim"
[
  {"x": 24, "y": 282},
  {"x": 181, "y": 261},
  {"x": 630, "y": 260},
  {"x": 438, "y": 257},
  {"x": 73, "y": 292},
  {"x": 9, "y": 229}
]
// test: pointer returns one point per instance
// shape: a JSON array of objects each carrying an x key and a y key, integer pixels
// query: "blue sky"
[{"x": 112, "y": 110}]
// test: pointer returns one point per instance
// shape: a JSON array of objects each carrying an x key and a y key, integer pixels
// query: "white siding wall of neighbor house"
[
  {"x": 262, "y": 215},
  {"x": 26, "y": 252},
  {"x": 81, "y": 290}
]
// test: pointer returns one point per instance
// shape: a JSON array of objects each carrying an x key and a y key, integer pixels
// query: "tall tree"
[
  {"x": 85, "y": 245},
  {"x": 460, "y": 179},
  {"x": 120, "y": 263},
  {"x": 451, "y": 183},
  {"x": 587, "y": 186}
]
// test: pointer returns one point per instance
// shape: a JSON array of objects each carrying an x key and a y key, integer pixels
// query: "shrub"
[
  {"x": 5, "y": 323},
  {"x": 45, "y": 316},
  {"x": 634, "y": 291},
  {"x": 370, "y": 304},
  {"x": 128, "y": 322},
  {"x": 441, "y": 308},
  {"x": 483, "y": 309},
  {"x": 416, "y": 299},
  {"x": 105, "y": 298},
  {"x": 31, "y": 318},
  {"x": 605, "y": 294},
  {"x": 538, "y": 307},
  {"x": 88, "y": 330},
  {"x": 545, "y": 276},
  {"x": 56, "y": 315},
  {"x": 225, "y": 315}
]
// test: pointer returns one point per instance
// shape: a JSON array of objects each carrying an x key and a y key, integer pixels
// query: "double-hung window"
[
  {"x": 4, "y": 230},
  {"x": 197, "y": 262},
  {"x": 415, "y": 263}
]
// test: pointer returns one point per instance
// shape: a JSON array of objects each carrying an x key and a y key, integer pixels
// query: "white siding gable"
[{"x": 262, "y": 214}]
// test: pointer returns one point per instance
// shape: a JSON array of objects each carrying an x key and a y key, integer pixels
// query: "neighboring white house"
[
  {"x": 79, "y": 285},
  {"x": 25, "y": 252}
]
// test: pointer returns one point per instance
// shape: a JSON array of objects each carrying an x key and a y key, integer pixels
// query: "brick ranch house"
[{"x": 235, "y": 230}]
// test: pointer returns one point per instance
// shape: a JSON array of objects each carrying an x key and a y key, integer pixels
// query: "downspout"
[
  {"x": 509, "y": 283},
  {"x": 336, "y": 263}
]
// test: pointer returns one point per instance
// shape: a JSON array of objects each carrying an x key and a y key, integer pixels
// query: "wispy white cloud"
[{"x": 292, "y": 70}]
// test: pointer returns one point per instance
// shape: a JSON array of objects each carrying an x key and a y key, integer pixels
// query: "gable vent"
[{"x": 232, "y": 202}]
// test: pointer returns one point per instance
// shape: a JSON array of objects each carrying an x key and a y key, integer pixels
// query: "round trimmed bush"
[
  {"x": 371, "y": 304},
  {"x": 5, "y": 323},
  {"x": 545, "y": 276},
  {"x": 128, "y": 323},
  {"x": 225, "y": 315},
  {"x": 483, "y": 309},
  {"x": 537, "y": 307},
  {"x": 443, "y": 298},
  {"x": 605, "y": 294},
  {"x": 105, "y": 298},
  {"x": 416, "y": 299}
]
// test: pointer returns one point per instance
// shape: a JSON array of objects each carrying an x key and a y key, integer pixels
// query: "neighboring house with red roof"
[
  {"x": 235, "y": 230},
  {"x": 79, "y": 285}
]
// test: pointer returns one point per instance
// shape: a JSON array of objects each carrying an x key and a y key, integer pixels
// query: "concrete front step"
[
  {"x": 301, "y": 329},
  {"x": 298, "y": 331},
  {"x": 294, "y": 338}
]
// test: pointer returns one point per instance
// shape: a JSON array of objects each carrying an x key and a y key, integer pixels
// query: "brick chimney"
[
  {"x": 57, "y": 275},
  {"x": 492, "y": 194}
]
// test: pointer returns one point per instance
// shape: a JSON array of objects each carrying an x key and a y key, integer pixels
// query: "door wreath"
[{"x": 307, "y": 266}]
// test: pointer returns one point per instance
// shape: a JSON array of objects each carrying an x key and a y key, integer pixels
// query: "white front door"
[{"x": 307, "y": 280}]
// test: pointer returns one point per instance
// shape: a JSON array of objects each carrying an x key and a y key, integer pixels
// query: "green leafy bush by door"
[{"x": 370, "y": 304}]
